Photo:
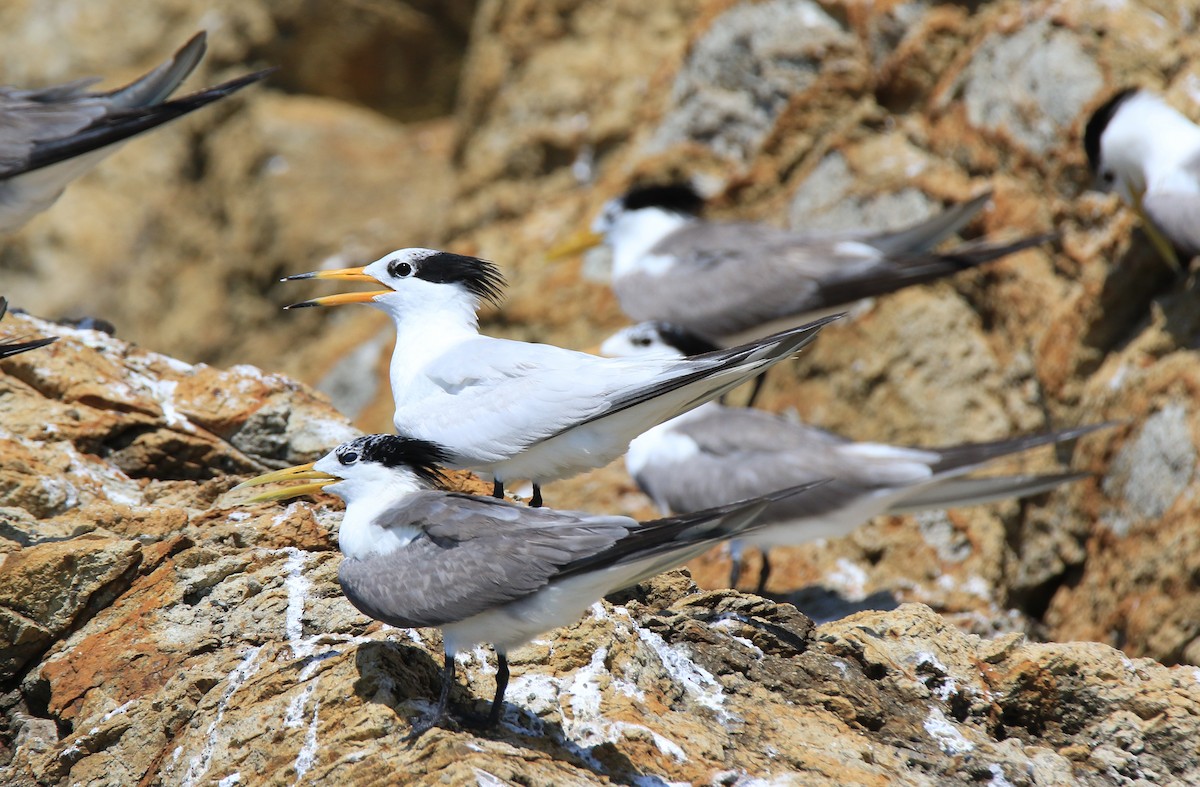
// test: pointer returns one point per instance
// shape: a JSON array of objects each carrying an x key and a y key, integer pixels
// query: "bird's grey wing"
[
  {"x": 113, "y": 125},
  {"x": 711, "y": 478},
  {"x": 523, "y": 393},
  {"x": 956, "y": 492},
  {"x": 888, "y": 274},
  {"x": 924, "y": 235},
  {"x": 729, "y": 430},
  {"x": 968, "y": 456},
  {"x": 704, "y": 377},
  {"x": 474, "y": 554},
  {"x": 725, "y": 278},
  {"x": 158, "y": 84},
  {"x": 28, "y": 117},
  {"x": 655, "y": 546}
]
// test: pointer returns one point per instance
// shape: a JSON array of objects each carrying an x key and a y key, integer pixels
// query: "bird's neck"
[
  {"x": 369, "y": 527},
  {"x": 427, "y": 327},
  {"x": 662, "y": 443},
  {"x": 635, "y": 233}
]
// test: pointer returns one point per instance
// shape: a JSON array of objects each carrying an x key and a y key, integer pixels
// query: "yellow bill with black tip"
[
  {"x": 342, "y": 274},
  {"x": 341, "y": 299},
  {"x": 580, "y": 241},
  {"x": 303, "y": 472}
]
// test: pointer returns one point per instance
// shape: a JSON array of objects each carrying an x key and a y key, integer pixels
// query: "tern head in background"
[
  {"x": 521, "y": 410},
  {"x": 715, "y": 454},
  {"x": 1149, "y": 153},
  {"x": 485, "y": 570},
  {"x": 732, "y": 281},
  {"x": 50, "y": 136}
]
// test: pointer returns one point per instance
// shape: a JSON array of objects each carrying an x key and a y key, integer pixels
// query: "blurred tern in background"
[
  {"x": 519, "y": 410},
  {"x": 480, "y": 569},
  {"x": 50, "y": 136},
  {"x": 715, "y": 455},
  {"x": 731, "y": 281},
  {"x": 1149, "y": 153}
]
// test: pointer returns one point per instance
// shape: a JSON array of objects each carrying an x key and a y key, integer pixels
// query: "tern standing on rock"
[
  {"x": 731, "y": 281},
  {"x": 714, "y": 455},
  {"x": 519, "y": 410},
  {"x": 480, "y": 569},
  {"x": 1148, "y": 152},
  {"x": 50, "y": 136}
]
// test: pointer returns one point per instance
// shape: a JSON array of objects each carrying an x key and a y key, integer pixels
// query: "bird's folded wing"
[
  {"x": 496, "y": 396},
  {"x": 475, "y": 554},
  {"x": 25, "y": 120}
]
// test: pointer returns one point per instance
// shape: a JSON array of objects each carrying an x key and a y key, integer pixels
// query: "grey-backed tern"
[
  {"x": 716, "y": 454},
  {"x": 731, "y": 281},
  {"x": 480, "y": 569},
  {"x": 50, "y": 136},
  {"x": 519, "y": 410},
  {"x": 1149, "y": 153}
]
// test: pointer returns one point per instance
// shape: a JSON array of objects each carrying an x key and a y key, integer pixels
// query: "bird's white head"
[
  {"x": 1136, "y": 141},
  {"x": 421, "y": 283},
  {"x": 373, "y": 474},
  {"x": 655, "y": 339},
  {"x": 634, "y": 223},
  {"x": 381, "y": 467}
]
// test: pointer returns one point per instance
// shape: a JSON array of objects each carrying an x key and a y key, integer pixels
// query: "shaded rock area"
[{"x": 155, "y": 631}]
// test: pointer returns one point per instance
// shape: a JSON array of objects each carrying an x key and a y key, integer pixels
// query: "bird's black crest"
[
  {"x": 684, "y": 340},
  {"x": 421, "y": 456},
  {"x": 1098, "y": 122},
  {"x": 679, "y": 197},
  {"x": 481, "y": 277}
]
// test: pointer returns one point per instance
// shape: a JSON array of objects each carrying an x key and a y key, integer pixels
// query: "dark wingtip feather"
[
  {"x": 13, "y": 348},
  {"x": 129, "y": 123},
  {"x": 1098, "y": 122}
]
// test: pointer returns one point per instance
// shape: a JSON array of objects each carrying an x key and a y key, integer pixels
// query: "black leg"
[
  {"x": 758, "y": 384},
  {"x": 536, "y": 500},
  {"x": 440, "y": 712},
  {"x": 735, "y": 570},
  {"x": 765, "y": 572},
  {"x": 497, "y": 488},
  {"x": 501, "y": 684}
]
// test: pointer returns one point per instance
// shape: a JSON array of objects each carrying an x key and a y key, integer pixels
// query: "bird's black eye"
[
  {"x": 1108, "y": 177},
  {"x": 641, "y": 341},
  {"x": 400, "y": 269},
  {"x": 348, "y": 458}
]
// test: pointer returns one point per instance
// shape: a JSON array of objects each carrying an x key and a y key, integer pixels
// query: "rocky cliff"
[{"x": 156, "y": 631}]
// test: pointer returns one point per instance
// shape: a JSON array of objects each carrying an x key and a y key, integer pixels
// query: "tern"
[
  {"x": 50, "y": 136},
  {"x": 715, "y": 454},
  {"x": 511, "y": 409},
  {"x": 1149, "y": 153},
  {"x": 481, "y": 569},
  {"x": 8, "y": 348},
  {"x": 731, "y": 281}
]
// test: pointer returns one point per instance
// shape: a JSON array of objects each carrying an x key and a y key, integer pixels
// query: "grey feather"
[{"x": 728, "y": 278}]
